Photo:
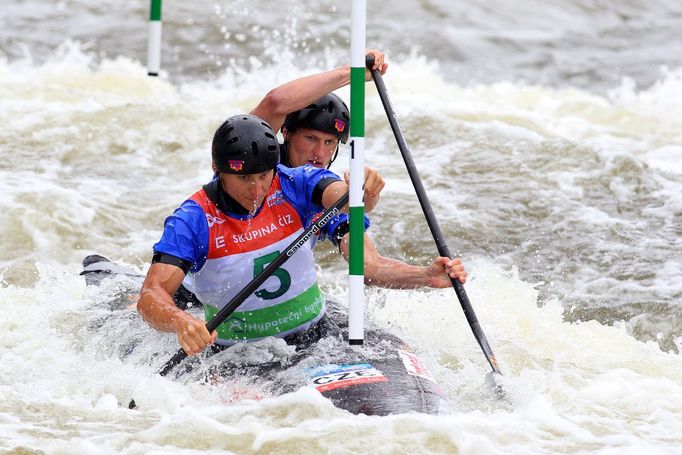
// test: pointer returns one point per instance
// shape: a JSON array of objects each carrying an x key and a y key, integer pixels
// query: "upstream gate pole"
[
  {"x": 356, "y": 268},
  {"x": 154, "y": 43}
]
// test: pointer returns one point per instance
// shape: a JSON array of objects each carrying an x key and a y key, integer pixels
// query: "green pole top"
[{"x": 155, "y": 10}]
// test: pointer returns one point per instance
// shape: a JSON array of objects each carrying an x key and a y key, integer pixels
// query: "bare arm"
[
  {"x": 334, "y": 191},
  {"x": 372, "y": 187},
  {"x": 299, "y": 93},
  {"x": 392, "y": 273},
  {"x": 158, "y": 309}
]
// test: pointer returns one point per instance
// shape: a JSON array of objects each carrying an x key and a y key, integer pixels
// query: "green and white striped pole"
[
  {"x": 356, "y": 304},
  {"x": 154, "y": 44}
]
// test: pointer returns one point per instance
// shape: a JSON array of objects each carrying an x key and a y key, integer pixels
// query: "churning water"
[{"x": 548, "y": 136}]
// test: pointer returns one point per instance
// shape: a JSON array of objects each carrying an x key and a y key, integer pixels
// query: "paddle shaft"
[
  {"x": 238, "y": 299},
  {"x": 431, "y": 219}
]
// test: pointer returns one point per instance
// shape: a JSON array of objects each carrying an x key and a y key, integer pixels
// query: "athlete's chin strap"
[
  {"x": 336, "y": 153},
  {"x": 284, "y": 154}
]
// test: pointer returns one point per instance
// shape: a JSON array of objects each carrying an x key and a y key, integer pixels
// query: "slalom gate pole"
[
  {"x": 154, "y": 43},
  {"x": 356, "y": 268}
]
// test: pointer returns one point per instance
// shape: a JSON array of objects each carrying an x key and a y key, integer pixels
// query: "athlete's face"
[
  {"x": 248, "y": 190},
  {"x": 308, "y": 146}
]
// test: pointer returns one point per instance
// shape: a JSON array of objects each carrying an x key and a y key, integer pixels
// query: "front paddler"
[{"x": 228, "y": 232}]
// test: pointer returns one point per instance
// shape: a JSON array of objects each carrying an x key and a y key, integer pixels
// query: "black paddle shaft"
[
  {"x": 430, "y": 217},
  {"x": 238, "y": 299}
]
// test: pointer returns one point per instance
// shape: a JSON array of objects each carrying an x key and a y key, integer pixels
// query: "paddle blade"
[
  {"x": 176, "y": 359},
  {"x": 493, "y": 382}
]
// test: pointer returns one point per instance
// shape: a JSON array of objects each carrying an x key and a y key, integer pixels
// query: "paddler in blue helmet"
[
  {"x": 229, "y": 230},
  {"x": 314, "y": 122}
]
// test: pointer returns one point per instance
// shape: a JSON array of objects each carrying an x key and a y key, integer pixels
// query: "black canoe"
[{"x": 379, "y": 378}]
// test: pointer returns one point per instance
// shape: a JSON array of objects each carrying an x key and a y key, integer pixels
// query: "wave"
[{"x": 581, "y": 383}]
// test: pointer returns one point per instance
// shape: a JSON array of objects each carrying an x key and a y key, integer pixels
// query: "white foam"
[{"x": 101, "y": 154}]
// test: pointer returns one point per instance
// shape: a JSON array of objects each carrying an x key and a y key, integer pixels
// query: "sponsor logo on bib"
[{"x": 213, "y": 220}]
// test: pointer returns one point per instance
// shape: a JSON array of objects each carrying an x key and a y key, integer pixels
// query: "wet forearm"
[
  {"x": 299, "y": 93},
  {"x": 333, "y": 192},
  {"x": 158, "y": 309},
  {"x": 391, "y": 273}
]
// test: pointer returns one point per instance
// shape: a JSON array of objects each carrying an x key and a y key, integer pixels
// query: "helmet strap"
[
  {"x": 284, "y": 154},
  {"x": 336, "y": 153}
]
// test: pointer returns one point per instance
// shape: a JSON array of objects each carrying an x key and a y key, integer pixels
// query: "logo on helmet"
[
  {"x": 236, "y": 165},
  {"x": 340, "y": 125}
]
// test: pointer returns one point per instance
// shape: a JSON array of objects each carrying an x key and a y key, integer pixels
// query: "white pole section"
[{"x": 154, "y": 44}]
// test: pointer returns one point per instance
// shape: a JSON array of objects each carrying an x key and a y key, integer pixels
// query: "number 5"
[{"x": 282, "y": 275}]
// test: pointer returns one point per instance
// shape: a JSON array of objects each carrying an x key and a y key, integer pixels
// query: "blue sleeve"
[
  {"x": 329, "y": 230},
  {"x": 298, "y": 184},
  {"x": 185, "y": 235}
]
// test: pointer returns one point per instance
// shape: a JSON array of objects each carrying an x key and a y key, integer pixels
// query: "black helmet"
[
  {"x": 328, "y": 114},
  {"x": 245, "y": 144}
]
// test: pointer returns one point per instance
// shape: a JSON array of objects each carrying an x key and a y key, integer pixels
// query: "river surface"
[{"x": 548, "y": 136}]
